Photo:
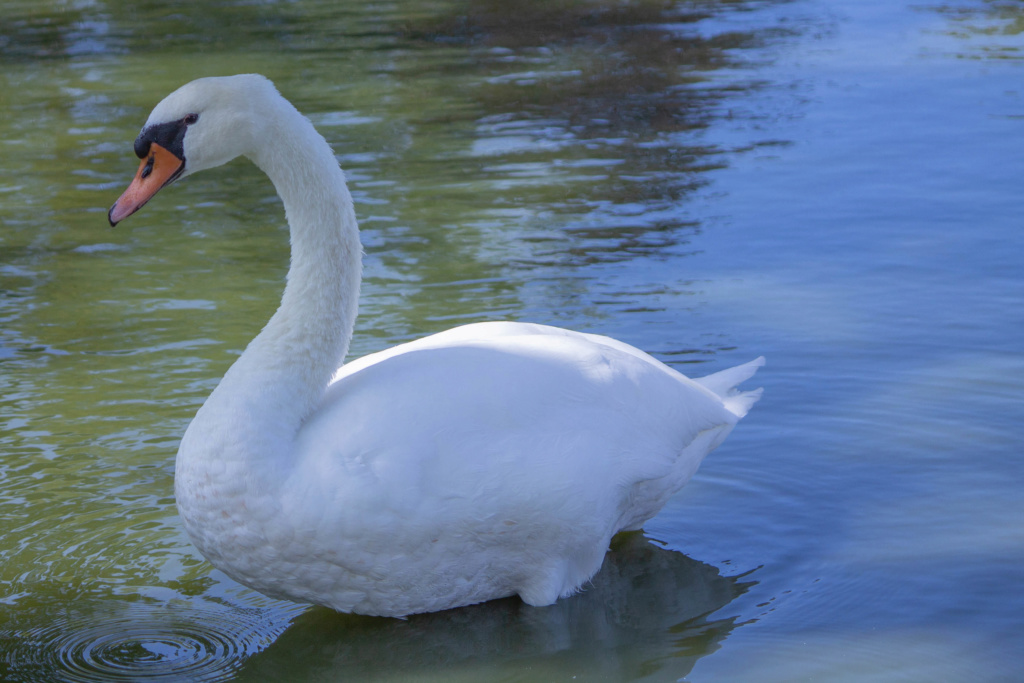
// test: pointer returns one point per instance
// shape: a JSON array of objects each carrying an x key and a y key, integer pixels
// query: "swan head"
[{"x": 202, "y": 124}]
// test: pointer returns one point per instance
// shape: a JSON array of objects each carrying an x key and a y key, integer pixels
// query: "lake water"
[{"x": 833, "y": 184}]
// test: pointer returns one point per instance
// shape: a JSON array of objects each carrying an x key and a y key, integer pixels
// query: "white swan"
[{"x": 490, "y": 460}]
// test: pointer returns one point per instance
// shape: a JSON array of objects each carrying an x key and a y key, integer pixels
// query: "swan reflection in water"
[{"x": 646, "y": 615}]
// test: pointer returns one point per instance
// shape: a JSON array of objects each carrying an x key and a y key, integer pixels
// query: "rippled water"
[{"x": 834, "y": 185}]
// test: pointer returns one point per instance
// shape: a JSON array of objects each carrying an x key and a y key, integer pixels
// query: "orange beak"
[{"x": 157, "y": 169}]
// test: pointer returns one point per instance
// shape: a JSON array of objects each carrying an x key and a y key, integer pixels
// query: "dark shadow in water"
[
  {"x": 586, "y": 105},
  {"x": 633, "y": 60},
  {"x": 646, "y": 614}
]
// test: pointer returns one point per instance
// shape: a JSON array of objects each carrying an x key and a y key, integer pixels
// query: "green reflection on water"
[
  {"x": 999, "y": 24},
  {"x": 505, "y": 165}
]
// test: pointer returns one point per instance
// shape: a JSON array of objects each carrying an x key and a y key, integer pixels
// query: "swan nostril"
[{"x": 149, "y": 167}]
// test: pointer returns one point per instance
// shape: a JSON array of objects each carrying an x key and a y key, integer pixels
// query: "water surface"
[{"x": 834, "y": 185}]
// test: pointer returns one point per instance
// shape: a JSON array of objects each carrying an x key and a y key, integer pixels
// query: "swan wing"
[{"x": 506, "y": 420}]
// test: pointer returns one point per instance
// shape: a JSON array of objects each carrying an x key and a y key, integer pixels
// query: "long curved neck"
[{"x": 281, "y": 376}]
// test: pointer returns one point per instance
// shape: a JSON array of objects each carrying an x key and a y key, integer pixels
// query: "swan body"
[{"x": 491, "y": 460}]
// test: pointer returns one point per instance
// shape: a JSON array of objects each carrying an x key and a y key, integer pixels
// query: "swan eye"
[{"x": 191, "y": 118}]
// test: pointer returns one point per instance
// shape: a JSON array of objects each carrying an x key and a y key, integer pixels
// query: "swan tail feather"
[{"x": 724, "y": 384}]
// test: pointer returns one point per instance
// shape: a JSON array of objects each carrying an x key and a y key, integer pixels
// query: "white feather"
[{"x": 490, "y": 460}]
